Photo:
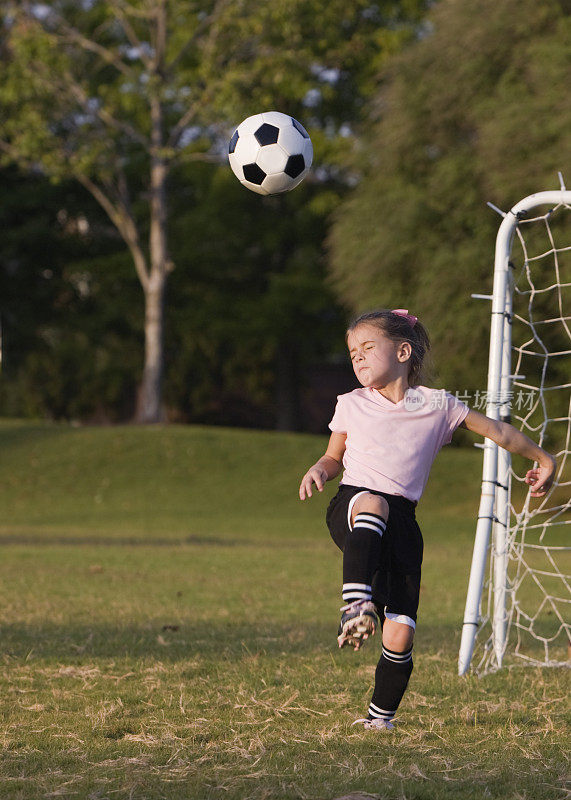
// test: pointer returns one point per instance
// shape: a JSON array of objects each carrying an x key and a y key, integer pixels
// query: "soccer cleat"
[
  {"x": 358, "y": 621},
  {"x": 375, "y": 724}
]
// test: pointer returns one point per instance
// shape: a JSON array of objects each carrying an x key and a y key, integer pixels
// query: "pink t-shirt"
[{"x": 390, "y": 447}]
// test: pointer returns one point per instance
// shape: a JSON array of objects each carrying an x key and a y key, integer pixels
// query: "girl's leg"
[
  {"x": 393, "y": 670},
  {"x": 361, "y": 555},
  {"x": 396, "y": 589},
  {"x": 362, "y": 550}
]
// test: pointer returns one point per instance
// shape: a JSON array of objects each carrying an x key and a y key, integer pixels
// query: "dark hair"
[{"x": 398, "y": 329}]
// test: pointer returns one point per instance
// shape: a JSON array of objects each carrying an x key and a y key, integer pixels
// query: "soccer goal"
[{"x": 518, "y": 600}]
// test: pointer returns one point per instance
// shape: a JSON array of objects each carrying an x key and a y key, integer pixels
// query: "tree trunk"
[
  {"x": 149, "y": 405},
  {"x": 150, "y": 397}
]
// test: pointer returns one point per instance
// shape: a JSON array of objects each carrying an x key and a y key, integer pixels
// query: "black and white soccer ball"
[{"x": 270, "y": 153}]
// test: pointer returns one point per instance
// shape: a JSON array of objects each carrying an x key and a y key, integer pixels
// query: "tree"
[
  {"x": 116, "y": 94},
  {"x": 243, "y": 333},
  {"x": 70, "y": 304},
  {"x": 477, "y": 109}
]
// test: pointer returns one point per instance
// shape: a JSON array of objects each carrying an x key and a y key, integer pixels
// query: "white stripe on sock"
[
  {"x": 380, "y": 710},
  {"x": 376, "y": 528},
  {"x": 371, "y": 518},
  {"x": 379, "y": 713},
  {"x": 398, "y": 658},
  {"x": 367, "y": 521},
  {"x": 364, "y": 586},
  {"x": 356, "y": 596}
]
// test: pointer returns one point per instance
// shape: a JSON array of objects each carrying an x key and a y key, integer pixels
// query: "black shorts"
[{"x": 396, "y": 580}]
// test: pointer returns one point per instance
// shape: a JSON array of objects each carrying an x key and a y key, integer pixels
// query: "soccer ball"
[{"x": 270, "y": 153}]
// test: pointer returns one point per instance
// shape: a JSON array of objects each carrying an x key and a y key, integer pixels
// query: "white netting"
[{"x": 538, "y": 592}]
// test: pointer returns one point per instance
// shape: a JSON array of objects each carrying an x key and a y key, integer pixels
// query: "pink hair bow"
[{"x": 403, "y": 312}]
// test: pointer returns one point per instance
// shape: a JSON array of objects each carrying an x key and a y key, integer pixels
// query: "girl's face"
[{"x": 377, "y": 360}]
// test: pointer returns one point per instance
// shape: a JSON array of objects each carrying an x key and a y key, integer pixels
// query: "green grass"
[{"x": 168, "y": 612}]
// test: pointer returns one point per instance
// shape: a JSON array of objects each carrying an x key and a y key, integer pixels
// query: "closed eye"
[{"x": 367, "y": 346}]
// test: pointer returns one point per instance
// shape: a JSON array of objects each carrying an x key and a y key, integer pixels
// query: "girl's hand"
[
  {"x": 540, "y": 478},
  {"x": 316, "y": 475}
]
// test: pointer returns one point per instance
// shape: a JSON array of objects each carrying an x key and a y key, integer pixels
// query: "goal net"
[{"x": 519, "y": 594}]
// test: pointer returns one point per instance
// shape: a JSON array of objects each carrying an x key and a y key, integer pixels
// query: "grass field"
[{"x": 168, "y": 622}]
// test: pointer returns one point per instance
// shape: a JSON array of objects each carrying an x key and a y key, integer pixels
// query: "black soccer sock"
[
  {"x": 391, "y": 679},
  {"x": 361, "y": 555}
]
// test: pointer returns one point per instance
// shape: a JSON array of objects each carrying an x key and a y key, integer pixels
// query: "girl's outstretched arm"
[
  {"x": 540, "y": 478},
  {"x": 328, "y": 466}
]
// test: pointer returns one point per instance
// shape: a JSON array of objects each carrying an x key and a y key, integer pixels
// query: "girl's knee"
[
  {"x": 397, "y": 636},
  {"x": 371, "y": 503}
]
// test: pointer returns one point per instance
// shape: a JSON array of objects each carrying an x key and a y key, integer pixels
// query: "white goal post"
[{"x": 513, "y": 531}]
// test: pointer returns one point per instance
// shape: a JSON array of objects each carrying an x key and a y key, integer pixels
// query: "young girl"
[{"x": 386, "y": 436}]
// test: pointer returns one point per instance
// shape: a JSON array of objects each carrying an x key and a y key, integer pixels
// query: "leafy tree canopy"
[
  {"x": 119, "y": 94},
  {"x": 477, "y": 109}
]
